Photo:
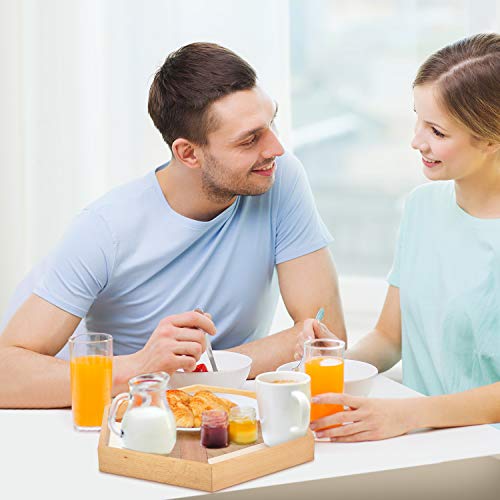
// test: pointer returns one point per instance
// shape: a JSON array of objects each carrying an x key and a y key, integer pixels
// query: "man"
[{"x": 207, "y": 230}]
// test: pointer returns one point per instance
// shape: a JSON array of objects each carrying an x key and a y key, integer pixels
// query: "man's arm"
[
  {"x": 306, "y": 283},
  {"x": 39, "y": 330},
  {"x": 28, "y": 345},
  {"x": 32, "y": 338}
]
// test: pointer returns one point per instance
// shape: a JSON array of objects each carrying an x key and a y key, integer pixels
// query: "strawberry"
[{"x": 201, "y": 368}]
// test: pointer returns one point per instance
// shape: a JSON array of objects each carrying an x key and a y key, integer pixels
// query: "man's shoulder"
[
  {"x": 126, "y": 207},
  {"x": 288, "y": 164},
  {"x": 289, "y": 171},
  {"x": 124, "y": 196}
]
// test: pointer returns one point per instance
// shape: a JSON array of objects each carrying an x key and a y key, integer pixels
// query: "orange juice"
[
  {"x": 91, "y": 380},
  {"x": 327, "y": 375}
]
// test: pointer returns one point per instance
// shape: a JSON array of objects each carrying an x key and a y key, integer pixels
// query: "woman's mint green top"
[{"x": 447, "y": 267}]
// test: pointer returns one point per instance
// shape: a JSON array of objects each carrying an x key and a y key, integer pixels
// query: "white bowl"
[
  {"x": 233, "y": 371},
  {"x": 358, "y": 376}
]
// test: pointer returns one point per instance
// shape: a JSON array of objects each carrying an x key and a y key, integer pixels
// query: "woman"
[{"x": 442, "y": 310}]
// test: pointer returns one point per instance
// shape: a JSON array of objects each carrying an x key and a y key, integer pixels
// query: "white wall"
[{"x": 73, "y": 95}]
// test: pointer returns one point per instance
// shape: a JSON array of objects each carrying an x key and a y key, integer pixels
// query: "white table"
[{"x": 41, "y": 456}]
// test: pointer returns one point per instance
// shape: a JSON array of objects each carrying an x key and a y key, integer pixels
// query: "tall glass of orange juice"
[
  {"x": 91, "y": 364},
  {"x": 324, "y": 363}
]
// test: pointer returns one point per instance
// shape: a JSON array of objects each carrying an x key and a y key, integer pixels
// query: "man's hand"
[
  {"x": 177, "y": 342},
  {"x": 312, "y": 329}
]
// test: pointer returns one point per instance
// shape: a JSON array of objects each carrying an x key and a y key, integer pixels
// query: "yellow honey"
[{"x": 242, "y": 425}]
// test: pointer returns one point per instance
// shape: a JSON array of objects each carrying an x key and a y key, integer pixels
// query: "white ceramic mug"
[{"x": 284, "y": 408}]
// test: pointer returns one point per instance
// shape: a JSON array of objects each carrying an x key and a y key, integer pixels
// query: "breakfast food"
[
  {"x": 283, "y": 381},
  {"x": 178, "y": 402},
  {"x": 178, "y": 396},
  {"x": 243, "y": 425},
  {"x": 201, "y": 367},
  {"x": 187, "y": 409}
]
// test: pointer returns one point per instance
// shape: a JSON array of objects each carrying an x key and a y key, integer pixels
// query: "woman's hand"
[
  {"x": 312, "y": 329},
  {"x": 367, "y": 419}
]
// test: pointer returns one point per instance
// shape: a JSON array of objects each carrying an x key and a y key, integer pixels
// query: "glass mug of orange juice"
[
  {"x": 324, "y": 363},
  {"x": 91, "y": 365}
]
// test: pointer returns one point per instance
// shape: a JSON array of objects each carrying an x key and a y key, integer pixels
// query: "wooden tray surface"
[{"x": 193, "y": 466}]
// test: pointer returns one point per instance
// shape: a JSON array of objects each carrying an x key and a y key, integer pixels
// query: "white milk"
[{"x": 149, "y": 429}]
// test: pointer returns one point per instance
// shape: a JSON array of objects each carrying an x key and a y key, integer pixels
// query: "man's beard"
[{"x": 221, "y": 187}]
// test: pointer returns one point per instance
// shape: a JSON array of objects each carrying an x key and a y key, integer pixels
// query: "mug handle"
[
  {"x": 305, "y": 409},
  {"x": 112, "y": 413}
]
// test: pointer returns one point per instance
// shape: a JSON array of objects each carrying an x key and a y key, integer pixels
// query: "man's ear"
[{"x": 186, "y": 152}]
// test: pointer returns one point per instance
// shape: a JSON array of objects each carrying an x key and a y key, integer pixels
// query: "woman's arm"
[
  {"x": 476, "y": 406},
  {"x": 381, "y": 347},
  {"x": 371, "y": 419}
]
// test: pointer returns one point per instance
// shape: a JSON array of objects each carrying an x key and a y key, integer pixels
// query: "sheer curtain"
[{"x": 73, "y": 95}]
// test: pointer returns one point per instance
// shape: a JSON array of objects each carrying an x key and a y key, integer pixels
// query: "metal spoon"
[
  {"x": 210, "y": 354},
  {"x": 319, "y": 316}
]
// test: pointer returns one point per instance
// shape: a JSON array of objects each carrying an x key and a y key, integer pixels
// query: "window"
[{"x": 353, "y": 64}]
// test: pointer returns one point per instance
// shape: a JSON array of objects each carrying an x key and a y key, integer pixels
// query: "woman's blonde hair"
[{"x": 467, "y": 76}]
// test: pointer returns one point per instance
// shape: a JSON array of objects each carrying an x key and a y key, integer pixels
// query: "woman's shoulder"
[{"x": 431, "y": 194}]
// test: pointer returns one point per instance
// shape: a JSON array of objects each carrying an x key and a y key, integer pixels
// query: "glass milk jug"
[{"x": 148, "y": 424}]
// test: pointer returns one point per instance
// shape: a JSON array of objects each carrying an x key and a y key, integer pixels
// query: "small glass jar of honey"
[
  {"x": 214, "y": 429},
  {"x": 243, "y": 425}
]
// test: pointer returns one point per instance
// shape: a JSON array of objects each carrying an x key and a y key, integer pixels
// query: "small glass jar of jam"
[
  {"x": 214, "y": 429},
  {"x": 242, "y": 425}
]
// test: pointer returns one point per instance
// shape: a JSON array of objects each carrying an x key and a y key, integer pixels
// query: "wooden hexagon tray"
[{"x": 193, "y": 466}]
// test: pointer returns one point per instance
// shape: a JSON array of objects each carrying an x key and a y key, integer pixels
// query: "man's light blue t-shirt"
[
  {"x": 447, "y": 267},
  {"x": 129, "y": 260}
]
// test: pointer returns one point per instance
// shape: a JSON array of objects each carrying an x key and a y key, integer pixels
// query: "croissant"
[
  {"x": 187, "y": 409},
  {"x": 176, "y": 394},
  {"x": 200, "y": 403},
  {"x": 227, "y": 404},
  {"x": 184, "y": 417},
  {"x": 179, "y": 404},
  {"x": 210, "y": 398}
]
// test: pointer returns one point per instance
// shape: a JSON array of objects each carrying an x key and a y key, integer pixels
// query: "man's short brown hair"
[{"x": 189, "y": 81}]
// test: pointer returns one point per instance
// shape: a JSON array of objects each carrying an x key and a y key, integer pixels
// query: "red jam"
[{"x": 214, "y": 429}]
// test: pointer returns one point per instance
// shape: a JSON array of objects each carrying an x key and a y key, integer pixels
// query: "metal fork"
[{"x": 210, "y": 353}]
